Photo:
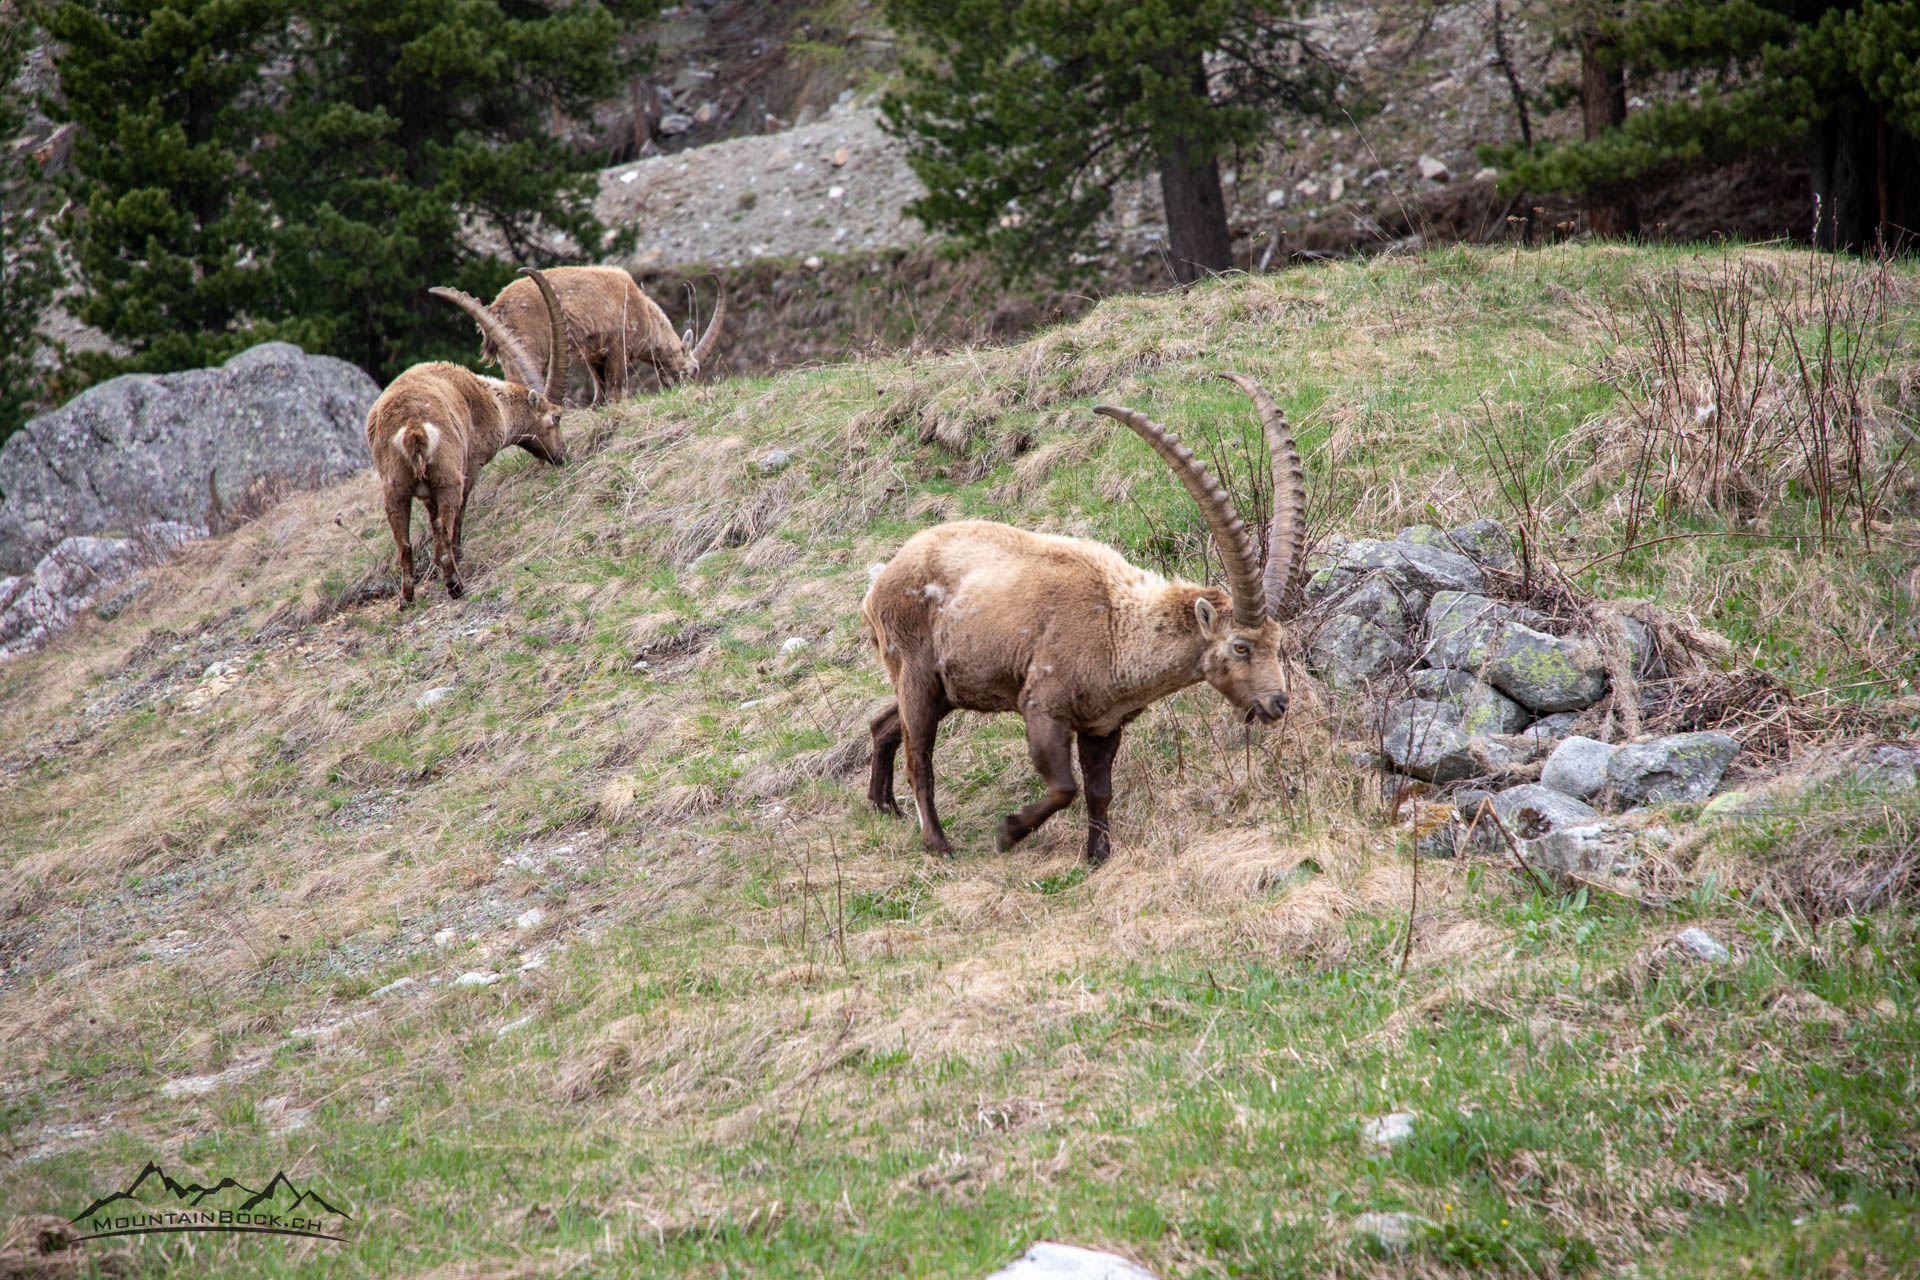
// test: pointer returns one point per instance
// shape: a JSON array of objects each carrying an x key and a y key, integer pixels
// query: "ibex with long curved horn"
[
  {"x": 979, "y": 616},
  {"x": 437, "y": 425},
  {"x": 614, "y": 330}
]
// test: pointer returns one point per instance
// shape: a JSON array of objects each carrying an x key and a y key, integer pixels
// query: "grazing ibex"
[
  {"x": 985, "y": 617},
  {"x": 436, "y": 425},
  {"x": 614, "y": 329}
]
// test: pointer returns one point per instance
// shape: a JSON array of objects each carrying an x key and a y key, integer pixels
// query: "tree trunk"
[
  {"x": 1866, "y": 182},
  {"x": 1197, "y": 236},
  {"x": 1603, "y": 106}
]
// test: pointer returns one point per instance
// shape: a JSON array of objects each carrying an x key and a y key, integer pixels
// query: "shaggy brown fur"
[
  {"x": 980, "y": 616},
  {"x": 614, "y": 330},
  {"x": 437, "y": 425}
]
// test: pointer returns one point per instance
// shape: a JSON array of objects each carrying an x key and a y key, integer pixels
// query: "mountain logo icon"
[{"x": 154, "y": 1202}]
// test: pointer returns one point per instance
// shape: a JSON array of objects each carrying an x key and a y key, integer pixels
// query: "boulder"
[
  {"x": 140, "y": 447},
  {"x": 1382, "y": 603},
  {"x": 1531, "y": 810},
  {"x": 1889, "y": 766},
  {"x": 1347, "y": 652},
  {"x": 1409, "y": 566},
  {"x": 1578, "y": 767},
  {"x": 1485, "y": 542},
  {"x": 1542, "y": 673},
  {"x": 1421, "y": 740},
  {"x": 1590, "y": 848},
  {"x": 1683, "y": 767},
  {"x": 1551, "y": 729},
  {"x": 1482, "y": 710},
  {"x": 67, "y": 578},
  {"x": 1048, "y": 1261}
]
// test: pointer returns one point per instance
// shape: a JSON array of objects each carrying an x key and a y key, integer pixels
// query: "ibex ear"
[
  {"x": 686, "y": 339},
  {"x": 1204, "y": 611}
]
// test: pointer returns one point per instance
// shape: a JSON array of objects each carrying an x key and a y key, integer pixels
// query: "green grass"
[{"x": 765, "y": 1034}]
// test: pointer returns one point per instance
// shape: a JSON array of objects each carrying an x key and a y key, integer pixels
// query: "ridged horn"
[
  {"x": 711, "y": 337},
  {"x": 1229, "y": 531},
  {"x": 502, "y": 337},
  {"x": 555, "y": 387},
  {"x": 1287, "y": 534}
]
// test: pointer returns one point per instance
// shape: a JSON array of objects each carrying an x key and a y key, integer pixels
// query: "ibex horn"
[
  {"x": 711, "y": 337},
  {"x": 555, "y": 388},
  {"x": 1229, "y": 531},
  {"x": 502, "y": 337},
  {"x": 1287, "y": 534}
]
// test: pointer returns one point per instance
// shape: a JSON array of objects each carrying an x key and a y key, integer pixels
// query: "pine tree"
[
  {"x": 259, "y": 169},
  {"x": 1840, "y": 79},
  {"x": 1020, "y": 114},
  {"x": 27, "y": 274}
]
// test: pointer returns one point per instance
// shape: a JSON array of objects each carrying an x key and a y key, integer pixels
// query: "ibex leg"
[
  {"x": 886, "y": 742},
  {"x": 400, "y": 520},
  {"x": 1096, "y": 770},
  {"x": 1050, "y": 743},
  {"x": 920, "y": 713}
]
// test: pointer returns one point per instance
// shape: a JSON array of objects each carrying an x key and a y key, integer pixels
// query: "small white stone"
[
  {"x": 1276, "y": 198},
  {"x": 529, "y": 918},
  {"x": 1393, "y": 1231},
  {"x": 478, "y": 978},
  {"x": 628, "y": 179},
  {"x": 1048, "y": 1261},
  {"x": 432, "y": 696},
  {"x": 751, "y": 703},
  {"x": 446, "y": 938},
  {"x": 794, "y": 644},
  {"x": 1434, "y": 170},
  {"x": 1338, "y": 190},
  {"x": 1389, "y": 1130},
  {"x": 1486, "y": 174},
  {"x": 813, "y": 262},
  {"x": 398, "y": 984},
  {"x": 834, "y": 193},
  {"x": 515, "y": 1025},
  {"x": 1704, "y": 945}
]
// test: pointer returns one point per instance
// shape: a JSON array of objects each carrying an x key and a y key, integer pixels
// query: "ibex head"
[
  {"x": 1242, "y": 656},
  {"x": 535, "y": 424}
]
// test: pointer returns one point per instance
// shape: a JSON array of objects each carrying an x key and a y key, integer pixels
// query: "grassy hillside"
[{"x": 741, "y": 1026}]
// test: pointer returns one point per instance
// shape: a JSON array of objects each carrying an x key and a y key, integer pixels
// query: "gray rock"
[
  {"x": 1048, "y": 1261},
  {"x": 1889, "y": 766},
  {"x": 1550, "y": 729},
  {"x": 1482, "y": 709},
  {"x": 1485, "y": 542},
  {"x": 37, "y": 605},
  {"x": 1421, "y": 740},
  {"x": 1703, "y": 945},
  {"x": 1578, "y": 767},
  {"x": 1423, "y": 535},
  {"x": 1434, "y": 170},
  {"x": 479, "y": 978},
  {"x": 1388, "y": 606},
  {"x": 1591, "y": 848},
  {"x": 1390, "y": 1232},
  {"x": 433, "y": 697},
  {"x": 1531, "y": 810},
  {"x": 140, "y": 447},
  {"x": 1546, "y": 673},
  {"x": 1683, "y": 767},
  {"x": 1390, "y": 1130},
  {"x": 1347, "y": 652},
  {"x": 675, "y": 124},
  {"x": 1731, "y": 805},
  {"x": 772, "y": 461},
  {"x": 1407, "y": 565}
]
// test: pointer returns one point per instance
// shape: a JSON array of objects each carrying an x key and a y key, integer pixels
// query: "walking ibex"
[
  {"x": 980, "y": 616},
  {"x": 437, "y": 425},
  {"x": 614, "y": 330}
]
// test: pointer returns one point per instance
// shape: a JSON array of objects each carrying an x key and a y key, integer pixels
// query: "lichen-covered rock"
[
  {"x": 1348, "y": 652},
  {"x": 1531, "y": 810},
  {"x": 1546, "y": 673},
  {"x": 1392, "y": 608},
  {"x": 141, "y": 446},
  {"x": 1683, "y": 767},
  {"x": 1590, "y": 848},
  {"x": 1551, "y": 729},
  {"x": 1578, "y": 767},
  {"x": 39, "y": 604},
  {"x": 1542, "y": 673},
  {"x": 1407, "y": 565},
  {"x": 1485, "y": 542},
  {"x": 1421, "y": 740},
  {"x": 1482, "y": 709}
]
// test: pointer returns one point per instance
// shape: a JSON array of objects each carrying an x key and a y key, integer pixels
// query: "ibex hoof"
[
  {"x": 455, "y": 588},
  {"x": 1009, "y": 835}
]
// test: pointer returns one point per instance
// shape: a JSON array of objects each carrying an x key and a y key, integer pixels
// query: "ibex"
[
  {"x": 436, "y": 425},
  {"x": 980, "y": 616},
  {"x": 614, "y": 329}
]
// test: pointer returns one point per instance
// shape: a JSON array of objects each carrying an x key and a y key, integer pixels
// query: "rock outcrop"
[{"x": 140, "y": 447}]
